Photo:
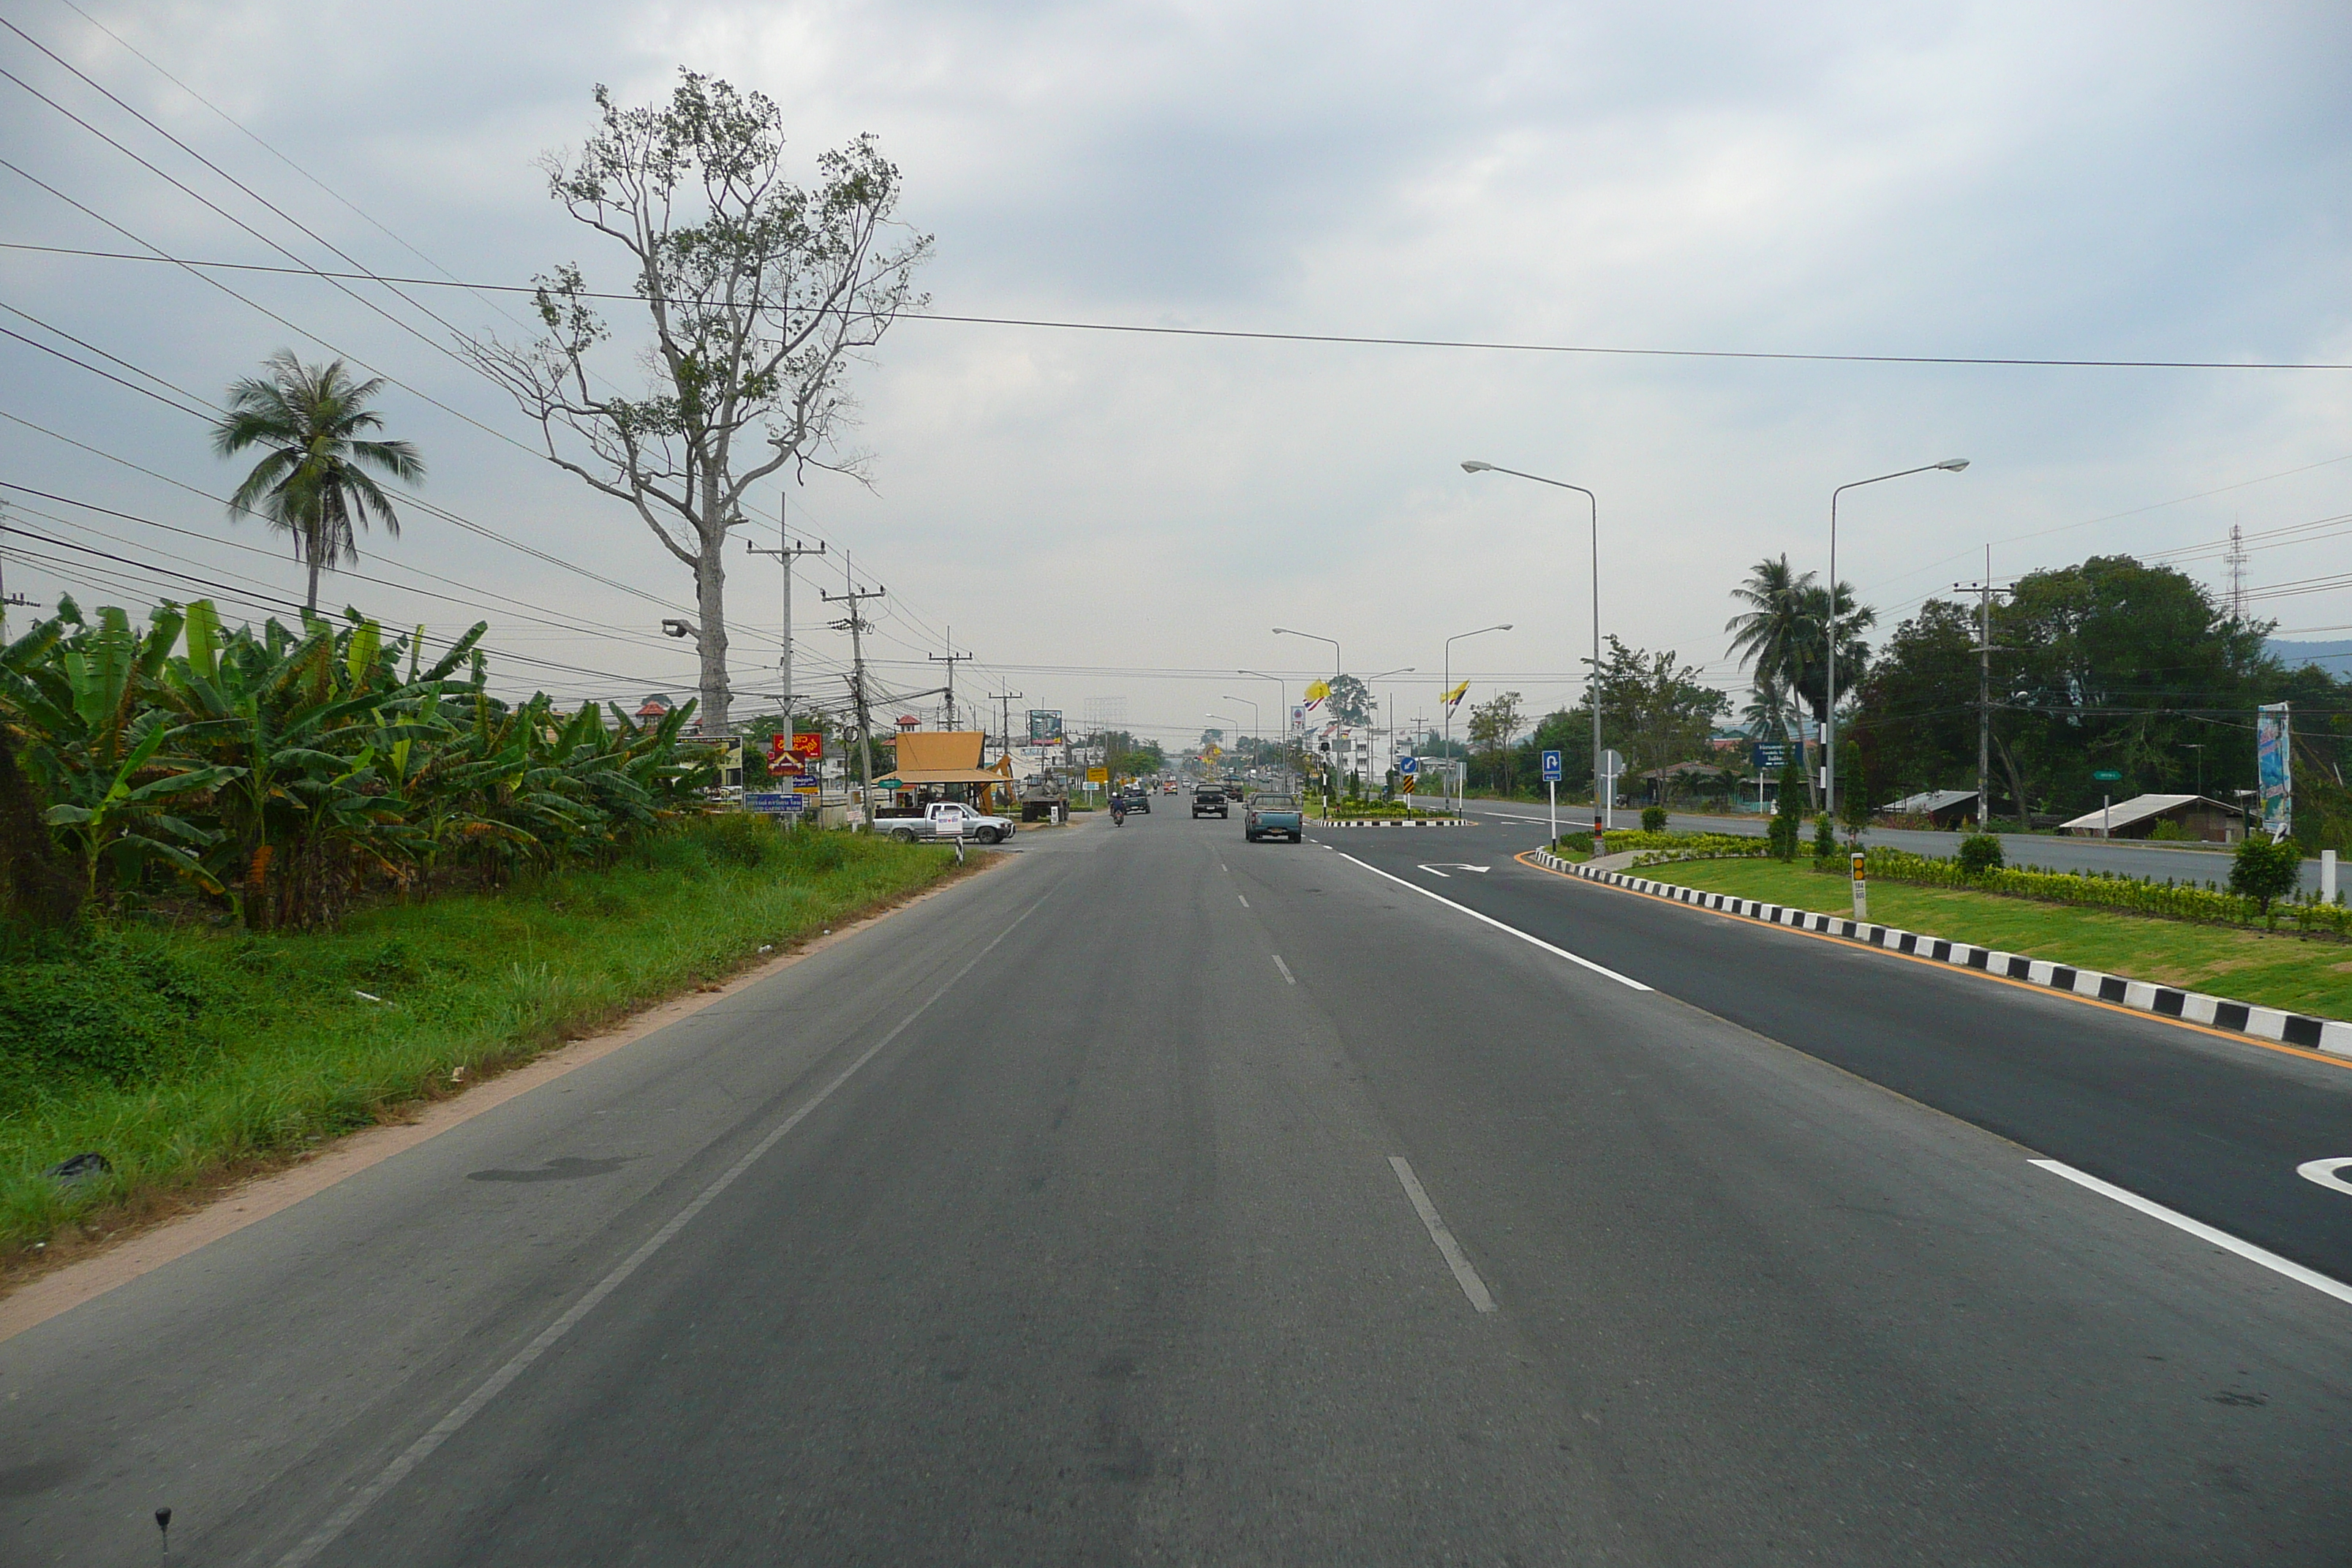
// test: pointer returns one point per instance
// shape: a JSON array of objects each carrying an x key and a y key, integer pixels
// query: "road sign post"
[{"x": 1551, "y": 788}]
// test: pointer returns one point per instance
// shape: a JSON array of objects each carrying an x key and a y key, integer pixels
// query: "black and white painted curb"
[
  {"x": 1396, "y": 822},
  {"x": 2262, "y": 1023}
]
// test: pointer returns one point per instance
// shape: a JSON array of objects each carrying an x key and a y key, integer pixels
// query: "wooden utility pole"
[{"x": 857, "y": 626}]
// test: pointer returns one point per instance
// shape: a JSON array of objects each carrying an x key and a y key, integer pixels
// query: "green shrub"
[
  {"x": 99, "y": 1010},
  {"x": 2264, "y": 869},
  {"x": 1781, "y": 835},
  {"x": 1981, "y": 853},
  {"x": 1824, "y": 838},
  {"x": 1653, "y": 819},
  {"x": 2170, "y": 832}
]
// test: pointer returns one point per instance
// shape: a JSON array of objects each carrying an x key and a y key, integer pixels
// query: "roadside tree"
[
  {"x": 760, "y": 293},
  {"x": 312, "y": 482}
]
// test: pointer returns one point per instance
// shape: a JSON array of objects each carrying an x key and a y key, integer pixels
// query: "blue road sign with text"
[{"x": 1551, "y": 767}]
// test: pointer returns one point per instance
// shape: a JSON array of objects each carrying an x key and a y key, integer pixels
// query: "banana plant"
[{"x": 129, "y": 823}]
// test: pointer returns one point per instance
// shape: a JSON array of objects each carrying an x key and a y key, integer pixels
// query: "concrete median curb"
[
  {"x": 2191, "y": 1007},
  {"x": 1393, "y": 822}
]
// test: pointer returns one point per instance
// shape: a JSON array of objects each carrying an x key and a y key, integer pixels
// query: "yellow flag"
[
  {"x": 1317, "y": 692},
  {"x": 1457, "y": 695}
]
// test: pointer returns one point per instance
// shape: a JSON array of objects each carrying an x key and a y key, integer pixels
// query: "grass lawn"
[
  {"x": 2294, "y": 972},
  {"x": 185, "y": 1053}
]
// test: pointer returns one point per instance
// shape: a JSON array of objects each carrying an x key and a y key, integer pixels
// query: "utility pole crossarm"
[
  {"x": 950, "y": 658},
  {"x": 792, "y": 549}
]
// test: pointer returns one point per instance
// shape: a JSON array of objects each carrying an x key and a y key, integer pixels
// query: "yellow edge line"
[{"x": 2235, "y": 1038}]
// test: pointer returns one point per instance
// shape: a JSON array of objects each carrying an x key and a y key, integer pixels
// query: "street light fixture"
[
  {"x": 1456, "y": 638},
  {"x": 1256, "y": 738},
  {"x": 1313, "y": 637},
  {"x": 1829, "y": 709},
  {"x": 1282, "y": 695},
  {"x": 1601, "y": 809}
]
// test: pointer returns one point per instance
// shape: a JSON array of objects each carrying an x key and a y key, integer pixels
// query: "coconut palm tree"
[
  {"x": 1780, "y": 635},
  {"x": 1774, "y": 634},
  {"x": 312, "y": 483}
]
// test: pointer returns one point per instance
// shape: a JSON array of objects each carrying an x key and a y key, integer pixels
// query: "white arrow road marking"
[
  {"x": 1455, "y": 866},
  {"x": 1435, "y": 872},
  {"x": 2324, "y": 1171}
]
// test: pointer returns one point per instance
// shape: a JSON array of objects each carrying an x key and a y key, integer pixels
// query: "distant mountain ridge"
[{"x": 2335, "y": 658}]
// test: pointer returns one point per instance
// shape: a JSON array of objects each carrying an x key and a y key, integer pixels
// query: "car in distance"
[
  {"x": 1209, "y": 801},
  {"x": 1272, "y": 817},
  {"x": 1138, "y": 798}
]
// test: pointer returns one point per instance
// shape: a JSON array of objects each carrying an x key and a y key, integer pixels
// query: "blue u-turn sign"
[{"x": 1551, "y": 767}]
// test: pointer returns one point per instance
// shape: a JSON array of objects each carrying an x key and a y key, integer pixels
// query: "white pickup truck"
[{"x": 945, "y": 819}]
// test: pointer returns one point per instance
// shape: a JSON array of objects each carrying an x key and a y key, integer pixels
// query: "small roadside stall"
[{"x": 944, "y": 764}]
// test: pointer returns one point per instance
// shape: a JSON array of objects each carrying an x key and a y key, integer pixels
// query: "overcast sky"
[{"x": 1090, "y": 511}]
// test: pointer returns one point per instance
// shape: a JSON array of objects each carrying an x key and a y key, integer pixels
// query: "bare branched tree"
[{"x": 761, "y": 294}]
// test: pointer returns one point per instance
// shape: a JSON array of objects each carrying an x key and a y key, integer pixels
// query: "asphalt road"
[
  {"x": 2125, "y": 856},
  {"x": 1161, "y": 1198}
]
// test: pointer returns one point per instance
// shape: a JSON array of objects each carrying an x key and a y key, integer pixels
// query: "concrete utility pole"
[
  {"x": 1004, "y": 701},
  {"x": 857, "y": 626},
  {"x": 950, "y": 658},
  {"x": 791, "y": 548},
  {"x": 1984, "y": 649}
]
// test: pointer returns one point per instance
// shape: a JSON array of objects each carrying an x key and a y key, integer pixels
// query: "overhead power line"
[{"x": 1362, "y": 339}]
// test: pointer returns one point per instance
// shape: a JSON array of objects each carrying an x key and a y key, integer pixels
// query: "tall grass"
[{"x": 230, "y": 1049}]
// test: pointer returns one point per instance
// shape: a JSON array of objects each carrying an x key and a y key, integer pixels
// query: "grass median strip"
[
  {"x": 2290, "y": 972},
  {"x": 185, "y": 1053}
]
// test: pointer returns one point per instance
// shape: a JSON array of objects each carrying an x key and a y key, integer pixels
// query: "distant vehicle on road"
[
  {"x": 1272, "y": 815},
  {"x": 1168, "y": 788},
  {"x": 1138, "y": 799},
  {"x": 1209, "y": 801},
  {"x": 938, "y": 820}
]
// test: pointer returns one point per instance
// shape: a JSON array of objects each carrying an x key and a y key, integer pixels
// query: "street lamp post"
[
  {"x": 1829, "y": 709},
  {"x": 1456, "y": 638},
  {"x": 1287, "y": 632},
  {"x": 1222, "y": 719},
  {"x": 1375, "y": 729},
  {"x": 1282, "y": 695},
  {"x": 1600, "y": 809},
  {"x": 1255, "y": 739}
]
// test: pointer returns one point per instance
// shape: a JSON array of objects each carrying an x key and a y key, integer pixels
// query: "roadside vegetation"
[
  {"x": 261, "y": 887},
  {"x": 182, "y": 1051},
  {"x": 2270, "y": 969}
]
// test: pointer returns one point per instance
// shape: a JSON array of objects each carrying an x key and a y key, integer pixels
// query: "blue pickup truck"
[{"x": 1272, "y": 815}]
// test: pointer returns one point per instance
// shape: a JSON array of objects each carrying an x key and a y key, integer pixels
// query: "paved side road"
[
  {"x": 2129, "y": 857},
  {"x": 1165, "y": 1199}
]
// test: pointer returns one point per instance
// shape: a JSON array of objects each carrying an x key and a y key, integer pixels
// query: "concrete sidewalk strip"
[{"x": 2242, "y": 1017}]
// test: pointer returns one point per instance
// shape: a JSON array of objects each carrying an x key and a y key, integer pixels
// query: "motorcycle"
[{"x": 1119, "y": 813}]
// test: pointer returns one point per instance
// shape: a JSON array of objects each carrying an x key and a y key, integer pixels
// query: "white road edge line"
[
  {"x": 417, "y": 1453},
  {"x": 1464, "y": 1275},
  {"x": 1601, "y": 969},
  {"x": 1284, "y": 968},
  {"x": 1244, "y": 901},
  {"x": 2202, "y": 1231}
]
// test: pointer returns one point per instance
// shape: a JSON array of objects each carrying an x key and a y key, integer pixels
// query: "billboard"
[
  {"x": 1046, "y": 727},
  {"x": 2275, "y": 768}
]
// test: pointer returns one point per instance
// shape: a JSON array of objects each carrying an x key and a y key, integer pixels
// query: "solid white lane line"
[
  {"x": 1285, "y": 969},
  {"x": 1464, "y": 1275},
  {"x": 1244, "y": 901},
  {"x": 2327, "y": 1172},
  {"x": 1601, "y": 969},
  {"x": 2203, "y": 1232},
  {"x": 417, "y": 1453}
]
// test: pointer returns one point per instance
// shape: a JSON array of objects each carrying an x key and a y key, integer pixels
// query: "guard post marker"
[{"x": 1860, "y": 887}]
